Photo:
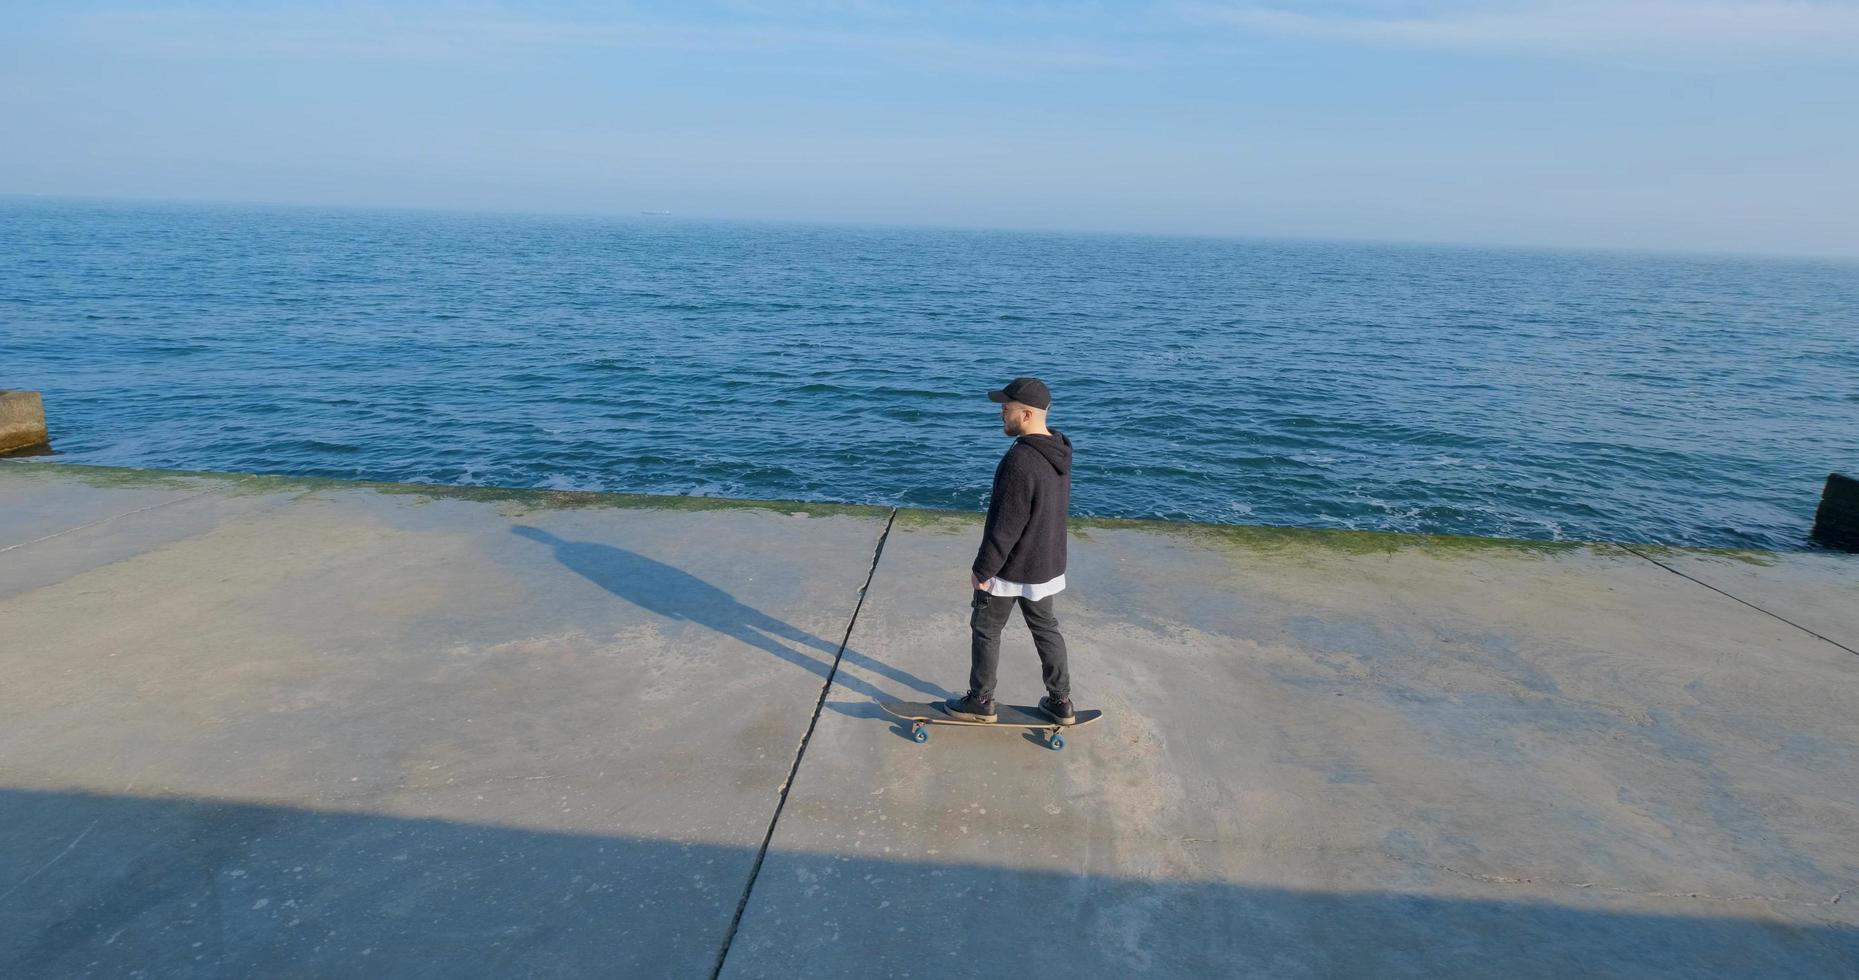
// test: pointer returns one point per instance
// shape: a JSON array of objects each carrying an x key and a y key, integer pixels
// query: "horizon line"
[{"x": 641, "y": 212}]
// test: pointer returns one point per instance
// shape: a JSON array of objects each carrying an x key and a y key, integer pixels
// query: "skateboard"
[{"x": 1019, "y": 716}]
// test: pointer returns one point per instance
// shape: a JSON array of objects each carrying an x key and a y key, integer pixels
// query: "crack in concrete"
[
  {"x": 800, "y": 752},
  {"x": 1629, "y": 892},
  {"x": 1634, "y": 551},
  {"x": 103, "y": 520},
  {"x": 21, "y": 883},
  {"x": 1492, "y": 879}
]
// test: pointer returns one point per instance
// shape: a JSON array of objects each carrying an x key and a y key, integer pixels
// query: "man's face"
[{"x": 1013, "y": 418}]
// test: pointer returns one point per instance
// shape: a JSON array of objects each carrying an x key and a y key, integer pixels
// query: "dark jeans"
[{"x": 988, "y": 616}]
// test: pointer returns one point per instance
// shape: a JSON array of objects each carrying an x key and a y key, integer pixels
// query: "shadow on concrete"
[
  {"x": 100, "y": 885},
  {"x": 673, "y": 593},
  {"x": 869, "y": 711}
]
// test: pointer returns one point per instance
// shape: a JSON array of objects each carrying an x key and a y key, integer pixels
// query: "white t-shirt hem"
[{"x": 1001, "y": 587}]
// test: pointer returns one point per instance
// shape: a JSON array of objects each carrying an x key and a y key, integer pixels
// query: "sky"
[{"x": 1714, "y": 125}]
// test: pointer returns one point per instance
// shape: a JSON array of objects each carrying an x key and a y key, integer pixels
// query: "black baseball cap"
[{"x": 1026, "y": 391}]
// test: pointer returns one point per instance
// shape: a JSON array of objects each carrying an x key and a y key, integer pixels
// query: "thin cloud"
[
  {"x": 1682, "y": 28},
  {"x": 445, "y": 36}
]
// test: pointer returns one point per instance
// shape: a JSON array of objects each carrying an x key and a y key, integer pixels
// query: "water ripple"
[{"x": 1483, "y": 391}]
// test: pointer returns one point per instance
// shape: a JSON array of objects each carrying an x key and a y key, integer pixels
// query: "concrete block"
[
  {"x": 1836, "y": 524},
  {"x": 22, "y": 420}
]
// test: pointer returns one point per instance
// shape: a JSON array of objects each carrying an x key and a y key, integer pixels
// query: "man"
[{"x": 1022, "y": 557}]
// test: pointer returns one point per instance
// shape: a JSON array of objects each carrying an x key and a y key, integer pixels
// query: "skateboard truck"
[{"x": 1055, "y": 738}]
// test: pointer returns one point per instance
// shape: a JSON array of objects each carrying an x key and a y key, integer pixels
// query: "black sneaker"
[
  {"x": 1060, "y": 709},
  {"x": 972, "y": 708}
]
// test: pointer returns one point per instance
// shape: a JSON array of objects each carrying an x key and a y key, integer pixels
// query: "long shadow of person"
[{"x": 676, "y": 594}]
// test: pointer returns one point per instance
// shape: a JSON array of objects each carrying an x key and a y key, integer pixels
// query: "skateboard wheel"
[
  {"x": 920, "y": 733},
  {"x": 1058, "y": 742}
]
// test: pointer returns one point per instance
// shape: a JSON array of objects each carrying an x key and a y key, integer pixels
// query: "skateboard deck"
[{"x": 1016, "y": 716}]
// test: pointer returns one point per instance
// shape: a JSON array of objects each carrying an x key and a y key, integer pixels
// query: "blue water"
[{"x": 1539, "y": 394}]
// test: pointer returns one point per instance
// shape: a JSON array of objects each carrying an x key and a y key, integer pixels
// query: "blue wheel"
[
  {"x": 920, "y": 733},
  {"x": 1058, "y": 742}
]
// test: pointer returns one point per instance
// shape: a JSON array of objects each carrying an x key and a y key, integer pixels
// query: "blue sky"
[{"x": 1727, "y": 125}]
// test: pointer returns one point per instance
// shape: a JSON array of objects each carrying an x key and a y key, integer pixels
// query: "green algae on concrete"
[
  {"x": 524, "y": 500},
  {"x": 1268, "y": 538},
  {"x": 1742, "y": 556},
  {"x": 1264, "y": 538},
  {"x": 1250, "y": 538}
]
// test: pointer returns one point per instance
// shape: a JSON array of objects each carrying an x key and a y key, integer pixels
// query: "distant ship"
[{"x": 655, "y": 212}]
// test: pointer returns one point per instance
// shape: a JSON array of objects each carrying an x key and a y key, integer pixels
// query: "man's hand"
[{"x": 980, "y": 585}]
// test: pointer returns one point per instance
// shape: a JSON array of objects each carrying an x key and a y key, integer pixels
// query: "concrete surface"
[
  {"x": 22, "y": 420},
  {"x": 326, "y": 731},
  {"x": 253, "y": 726},
  {"x": 1334, "y": 755},
  {"x": 1815, "y": 590}
]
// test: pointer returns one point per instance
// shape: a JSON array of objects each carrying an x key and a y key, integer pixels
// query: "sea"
[{"x": 1529, "y": 393}]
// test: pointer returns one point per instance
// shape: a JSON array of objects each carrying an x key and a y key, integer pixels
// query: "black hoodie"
[{"x": 1025, "y": 536}]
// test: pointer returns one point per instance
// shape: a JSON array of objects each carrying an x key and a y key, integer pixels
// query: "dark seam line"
[
  {"x": 755, "y": 870},
  {"x": 106, "y": 520},
  {"x": 1745, "y": 602}
]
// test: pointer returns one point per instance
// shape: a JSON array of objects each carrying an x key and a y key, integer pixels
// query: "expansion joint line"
[
  {"x": 1740, "y": 599},
  {"x": 819, "y": 706},
  {"x": 106, "y": 520}
]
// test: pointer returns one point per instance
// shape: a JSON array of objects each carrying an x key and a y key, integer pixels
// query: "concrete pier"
[
  {"x": 22, "y": 421},
  {"x": 261, "y": 726}
]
